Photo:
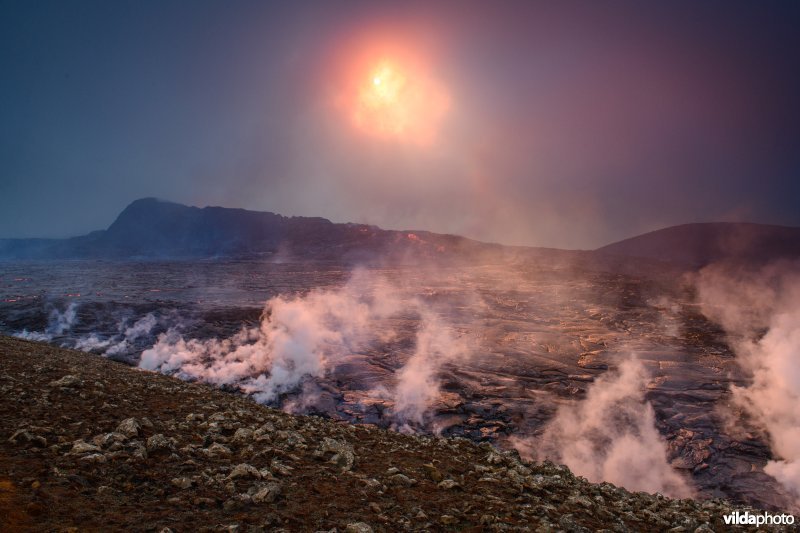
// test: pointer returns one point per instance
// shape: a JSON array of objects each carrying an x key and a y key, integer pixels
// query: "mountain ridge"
[
  {"x": 701, "y": 243},
  {"x": 150, "y": 228},
  {"x": 153, "y": 228}
]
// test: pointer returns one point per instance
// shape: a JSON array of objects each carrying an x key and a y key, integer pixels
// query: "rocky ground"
[{"x": 90, "y": 444}]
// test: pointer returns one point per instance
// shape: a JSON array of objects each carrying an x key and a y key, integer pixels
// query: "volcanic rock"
[
  {"x": 130, "y": 427},
  {"x": 208, "y": 486}
]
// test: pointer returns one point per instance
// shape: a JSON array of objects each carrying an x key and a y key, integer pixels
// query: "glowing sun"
[{"x": 401, "y": 102}]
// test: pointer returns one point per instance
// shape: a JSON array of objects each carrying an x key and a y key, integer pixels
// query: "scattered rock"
[
  {"x": 343, "y": 455},
  {"x": 105, "y": 490},
  {"x": 448, "y": 484},
  {"x": 494, "y": 458},
  {"x": 280, "y": 468},
  {"x": 267, "y": 493},
  {"x": 433, "y": 473},
  {"x": 292, "y": 439},
  {"x": 448, "y": 520},
  {"x": 24, "y": 438},
  {"x": 67, "y": 382},
  {"x": 94, "y": 458},
  {"x": 217, "y": 450},
  {"x": 159, "y": 443},
  {"x": 244, "y": 471},
  {"x": 358, "y": 527},
  {"x": 107, "y": 439},
  {"x": 270, "y": 478},
  {"x": 402, "y": 480},
  {"x": 182, "y": 482},
  {"x": 242, "y": 436},
  {"x": 80, "y": 447},
  {"x": 130, "y": 427}
]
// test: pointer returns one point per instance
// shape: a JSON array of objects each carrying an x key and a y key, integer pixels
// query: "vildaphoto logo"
[{"x": 747, "y": 518}]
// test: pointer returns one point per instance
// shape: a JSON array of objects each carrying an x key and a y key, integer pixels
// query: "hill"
[
  {"x": 91, "y": 444},
  {"x": 157, "y": 229},
  {"x": 697, "y": 245},
  {"x": 153, "y": 229}
]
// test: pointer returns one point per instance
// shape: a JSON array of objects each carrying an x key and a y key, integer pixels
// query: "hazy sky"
[{"x": 567, "y": 124}]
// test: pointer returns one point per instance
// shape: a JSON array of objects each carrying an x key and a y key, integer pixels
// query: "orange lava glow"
[{"x": 392, "y": 94}]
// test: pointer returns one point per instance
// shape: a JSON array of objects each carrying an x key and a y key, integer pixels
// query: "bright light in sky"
[
  {"x": 566, "y": 124},
  {"x": 392, "y": 94}
]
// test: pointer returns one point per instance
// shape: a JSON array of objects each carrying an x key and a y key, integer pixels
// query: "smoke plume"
[
  {"x": 60, "y": 324},
  {"x": 307, "y": 336},
  {"x": 57, "y": 324},
  {"x": 417, "y": 382},
  {"x": 760, "y": 312},
  {"x": 611, "y": 436}
]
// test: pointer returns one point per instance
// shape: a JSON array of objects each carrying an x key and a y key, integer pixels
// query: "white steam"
[
  {"x": 58, "y": 323},
  {"x": 92, "y": 342},
  {"x": 120, "y": 343},
  {"x": 297, "y": 337},
  {"x": 61, "y": 323},
  {"x": 611, "y": 436},
  {"x": 760, "y": 312},
  {"x": 417, "y": 382},
  {"x": 141, "y": 328},
  {"x": 307, "y": 336}
]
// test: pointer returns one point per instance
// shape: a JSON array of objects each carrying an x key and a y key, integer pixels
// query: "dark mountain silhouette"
[
  {"x": 157, "y": 229},
  {"x": 151, "y": 228},
  {"x": 697, "y": 245}
]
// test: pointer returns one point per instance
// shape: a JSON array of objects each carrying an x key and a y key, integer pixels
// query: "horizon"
[
  {"x": 412, "y": 229},
  {"x": 567, "y": 126}
]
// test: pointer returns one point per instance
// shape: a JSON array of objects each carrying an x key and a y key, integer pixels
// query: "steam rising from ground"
[
  {"x": 611, "y": 436},
  {"x": 120, "y": 344},
  {"x": 417, "y": 382},
  {"x": 62, "y": 322},
  {"x": 58, "y": 323},
  {"x": 307, "y": 336},
  {"x": 760, "y": 311}
]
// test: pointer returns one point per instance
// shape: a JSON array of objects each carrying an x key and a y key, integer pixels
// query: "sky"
[{"x": 563, "y": 124}]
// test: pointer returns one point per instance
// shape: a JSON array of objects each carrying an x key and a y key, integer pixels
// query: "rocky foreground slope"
[{"x": 89, "y": 444}]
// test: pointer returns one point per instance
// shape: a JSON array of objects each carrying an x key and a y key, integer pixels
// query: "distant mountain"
[
  {"x": 697, "y": 245},
  {"x": 151, "y": 228},
  {"x": 157, "y": 229}
]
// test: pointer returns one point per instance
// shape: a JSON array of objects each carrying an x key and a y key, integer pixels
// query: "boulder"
[
  {"x": 267, "y": 493},
  {"x": 217, "y": 450},
  {"x": 358, "y": 527},
  {"x": 80, "y": 447},
  {"x": 448, "y": 484},
  {"x": 68, "y": 381},
  {"x": 159, "y": 443},
  {"x": 130, "y": 427},
  {"x": 244, "y": 470},
  {"x": 242, "y": 436},
  {"x": 402, "y": 480},
  {"x": 182, "y": 482},
  {"x": 343, "y": 455},
  {"x": 25, "y": 438},
  {"x": 433, "y": 473}
]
